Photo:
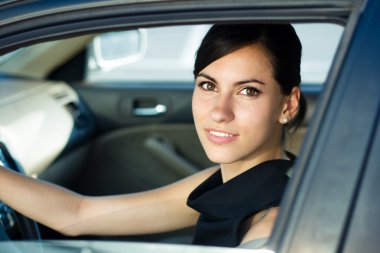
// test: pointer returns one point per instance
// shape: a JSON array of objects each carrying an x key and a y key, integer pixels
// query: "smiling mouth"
[
  {"x": 218, "y": 137},
  {"x": 220, "y": 134}
]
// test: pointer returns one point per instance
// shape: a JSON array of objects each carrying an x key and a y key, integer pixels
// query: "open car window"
[{"x": 168, "y": 53}]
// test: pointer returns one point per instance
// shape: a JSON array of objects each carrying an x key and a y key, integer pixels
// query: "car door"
[
  {"x": 311, "y": 202},
  {"x": 141, "y": 152},
  {"x": 331, "y": 203}
]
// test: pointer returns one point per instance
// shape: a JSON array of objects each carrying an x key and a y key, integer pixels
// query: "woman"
[{"x": 246, "y": 94}]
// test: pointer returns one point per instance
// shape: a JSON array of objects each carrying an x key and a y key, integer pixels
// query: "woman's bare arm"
[{"x": 159, "y": 210}]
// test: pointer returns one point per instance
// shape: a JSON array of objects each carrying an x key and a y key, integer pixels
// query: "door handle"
[{"x": 150, "y": 111}]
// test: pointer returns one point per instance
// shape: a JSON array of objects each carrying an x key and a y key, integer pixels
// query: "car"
[{"x": 80, "y": 109}]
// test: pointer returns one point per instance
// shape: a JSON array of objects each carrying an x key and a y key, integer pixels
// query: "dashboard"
[{"x": 39, "y": 120}]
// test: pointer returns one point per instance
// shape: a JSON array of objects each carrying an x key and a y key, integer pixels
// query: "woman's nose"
[{"x": 223, "y": 109}]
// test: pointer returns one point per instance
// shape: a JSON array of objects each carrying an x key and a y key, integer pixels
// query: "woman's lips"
[{"x": 219, "y": 136}]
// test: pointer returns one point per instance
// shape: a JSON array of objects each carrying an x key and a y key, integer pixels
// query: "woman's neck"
[{"x": 232, "y": 170}]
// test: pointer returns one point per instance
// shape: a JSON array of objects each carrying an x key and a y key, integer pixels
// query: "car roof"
[{"x": 25, "y": 22}]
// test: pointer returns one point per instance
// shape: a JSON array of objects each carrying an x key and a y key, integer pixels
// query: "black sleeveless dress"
[{"x": 224, "y": 206}]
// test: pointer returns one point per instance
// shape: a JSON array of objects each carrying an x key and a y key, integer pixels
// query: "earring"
[{"x": 285, "y": 120}]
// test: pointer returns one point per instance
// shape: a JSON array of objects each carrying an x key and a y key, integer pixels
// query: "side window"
[
  {"x": 168, "y": 53},
  {"x": 319, "y": 44},
  {"x": 165, "y": 54}
]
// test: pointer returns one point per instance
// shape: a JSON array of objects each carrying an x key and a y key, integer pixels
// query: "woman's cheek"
[{"x": 198, "y": 109}]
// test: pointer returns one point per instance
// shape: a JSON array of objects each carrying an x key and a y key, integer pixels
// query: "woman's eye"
[
  {"x": 250, "y": 91},
  {"x": 208, "y": 86}
]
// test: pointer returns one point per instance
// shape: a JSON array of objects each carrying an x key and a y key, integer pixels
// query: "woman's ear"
[{"x": 291, "y": 106}]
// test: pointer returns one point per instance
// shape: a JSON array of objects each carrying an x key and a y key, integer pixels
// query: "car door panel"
[
  {"x": 152, "y": 149},
  {"x": 141, "y": 158},
  {"x": 361, "y": 225},
  {"x": 116, "y": 106}
]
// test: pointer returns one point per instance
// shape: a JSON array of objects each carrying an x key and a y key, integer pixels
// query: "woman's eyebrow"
[
  {"x": 207, "y": 76},
  {"x": 253, "y": 80},
  {"x": 250, "y": 81}
]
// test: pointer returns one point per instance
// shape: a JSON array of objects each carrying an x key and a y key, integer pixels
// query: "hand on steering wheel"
[{"x": 14, "y": 225}]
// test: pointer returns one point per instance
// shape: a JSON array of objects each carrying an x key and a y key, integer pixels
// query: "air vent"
[
  {"x": 80, "y": 119},
  {"x": 73, "y": 110}
]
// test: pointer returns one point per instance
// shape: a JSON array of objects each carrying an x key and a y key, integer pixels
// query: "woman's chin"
[{"x": 221, "y": 159}]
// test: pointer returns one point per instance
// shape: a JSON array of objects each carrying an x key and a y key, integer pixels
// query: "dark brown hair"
[{"x": 280, "y": 41}]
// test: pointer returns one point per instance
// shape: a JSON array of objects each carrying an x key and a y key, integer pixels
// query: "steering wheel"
[{"x": 13, "y": 225}]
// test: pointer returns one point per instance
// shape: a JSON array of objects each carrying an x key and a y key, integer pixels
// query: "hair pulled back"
[{"x": 280, "y": 42}]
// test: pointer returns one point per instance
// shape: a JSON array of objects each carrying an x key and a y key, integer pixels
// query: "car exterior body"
[{"x": 331, "y": 203}]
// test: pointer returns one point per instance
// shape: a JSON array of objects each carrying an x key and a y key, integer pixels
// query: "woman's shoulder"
[
  {"x": 196, "y": 179},
  {"x": 260, "y": 225}
]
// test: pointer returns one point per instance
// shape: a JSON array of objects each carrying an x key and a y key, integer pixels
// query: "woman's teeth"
[{"x": 219, "y": 134}]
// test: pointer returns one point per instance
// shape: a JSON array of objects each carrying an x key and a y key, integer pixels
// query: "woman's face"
[{"x": 237, "y": 106}]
